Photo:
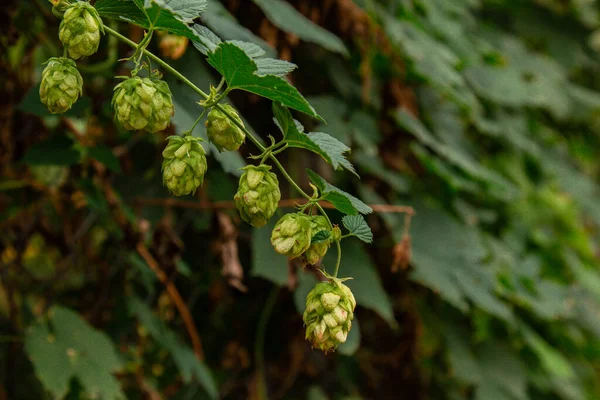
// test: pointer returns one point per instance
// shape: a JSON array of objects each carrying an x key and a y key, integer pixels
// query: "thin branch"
[
  {"x": 287, "y": 203},
  {"x": 176, "y": 298}
]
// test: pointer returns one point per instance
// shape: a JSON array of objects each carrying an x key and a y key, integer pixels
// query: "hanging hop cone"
[
  {"x": 222, "y": 132},
  {"x": 316, "y": 251},
  {"x": 328, "y": 315},
  {"x": 172, "y": 46},
  {"x": 184, "y": 164},
  {"x": 143, "y": 103},
  {"x": 61, "y": 85},
  {"x": 291, "y": 235},
  {"x": 258, "y": 195},
  {"x": 80, "y": 29}
]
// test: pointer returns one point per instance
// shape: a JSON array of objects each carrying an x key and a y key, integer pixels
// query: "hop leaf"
[
  {"x": 221, "y": 130},
  {"x": 317, "y": 250},
  {"x": 80, "y": 30},
  {"x": 143, "y": 103},
  {"x": 61, "y": 85},
  {"x": 258, "y": 195},
  {"x": 291, "y": 235},
  {"x": 184, "y": 165},
  {"x": 329, "y": 314}
]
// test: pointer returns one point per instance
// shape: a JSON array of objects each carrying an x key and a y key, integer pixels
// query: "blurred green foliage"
[{"x": 483, "y": 115}]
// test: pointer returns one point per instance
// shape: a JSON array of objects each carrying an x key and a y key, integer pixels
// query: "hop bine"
[
  {"x": 258, "y": 195},
  {"x": 143, "y": 103},
  {"x": 80, "y": 29},
  {"x": 184, "y": 164},
  {"x": 61, "y": 85},
  {"x": 222, "y": 131},
  {"x": 291, "y": 235},
  {"x": 329, "y": 314}
]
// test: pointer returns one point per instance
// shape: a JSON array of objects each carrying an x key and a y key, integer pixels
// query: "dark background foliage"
[{"x": 481, "y": 115}]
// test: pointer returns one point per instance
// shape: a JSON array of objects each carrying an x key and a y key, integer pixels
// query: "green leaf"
[
  {"x": 284, "y": 16},
  {"x": 240, "y": 72},
  {"x": 123, "y": 10},
  {"x": 320, "y": 237},
  {"x": 552, "y": 360},
  {"x": 183, "y": 356},
  {"x": 344, "y": 202},
  {"x": 358, "y": 227},
  {"x": 204, "y": 40},
  {"x": 266, "y": 263},
  {"x": 222, "y": 22},
  {"x": 57, "y": 150},
  {"x": 73, "y": 350},
  {"x": 266, "y": 66},
  {"x": 328, "y": 147},
  {"x": 106, "y": 156},
  {"x": 186, "y": 10}
]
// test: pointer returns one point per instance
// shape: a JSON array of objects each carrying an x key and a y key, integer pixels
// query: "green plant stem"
[
  {"x": 260, "y": 343},
  {"x": 337, "y": 242},
  {"x": 339, "y": 258}
]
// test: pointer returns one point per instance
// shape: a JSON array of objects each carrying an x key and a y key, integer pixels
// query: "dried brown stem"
[
  {"x": 176, "y": 298},
  {"x": 287, "y": 203}
]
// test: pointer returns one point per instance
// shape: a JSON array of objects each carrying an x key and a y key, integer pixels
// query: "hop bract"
[
  {"x": 258, "y": 195},
  {"x": 143, "y": 103},
  {"x": 317, "y": 250},
  {"x": 61, "y": 85},
  {"x": 328, "y": 315},
  {"x": 80, "y": 30},
  {"x": 221, "y": 130},
  {"x": 184, "y": 165},
  {"x": 291, "y": 235}
]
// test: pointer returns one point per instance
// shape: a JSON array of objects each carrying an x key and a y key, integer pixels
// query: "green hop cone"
[
  {"x": 258, "y": 195},
  {"x": 80, "y": 29},
  {"x": 328, "y": 315},
  {"x": 184, "y": 164},
  {"x": 222, "y": 132},
  {"x": 317, "y": 250},
  {"x": 143, "y": 104},
  {"x": 61, "y": 85},
  {"x": 291, "y": 235}
]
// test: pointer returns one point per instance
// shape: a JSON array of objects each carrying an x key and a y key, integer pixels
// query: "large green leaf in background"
[
  {"x": 71, "y": 349},
  {"x": 183, "y": 356},
  {"x": 284, "y": 16}
]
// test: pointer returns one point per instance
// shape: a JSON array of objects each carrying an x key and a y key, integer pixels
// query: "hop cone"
[
  {"x": 328, "y": 315},
  {"x": 61, "y": 85},
  {"x": 258, "y": 195},
  {"x": 222, "y": 132},
  {"x": 291, "y": 235},
  {"x": 317, "y": 250},
  {"x": 80, "y": 30},
  {"x": 143, "y": 103},
  {"x": 184, "y": 165}
]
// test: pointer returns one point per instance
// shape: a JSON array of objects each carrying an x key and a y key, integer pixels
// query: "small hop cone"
[
  {"x": 258, "y": 195},
  {"x": 291, "y": 235},
  {"x": 316, "y": 251},
  {"x": 143, "y": 104},
  {"x": 61, "y": 85},
  {"x": 172, "y": 46},
  {"x": 329, "y": 314},
  {"x": 222, "y": 132},
  {"x": 80, "y": 29},
  {"x": 184, "y": 165}
]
